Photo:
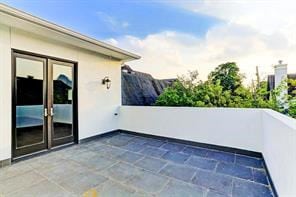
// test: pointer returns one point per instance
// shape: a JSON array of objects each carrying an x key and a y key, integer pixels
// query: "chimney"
[{"x": 280, "y": 74}]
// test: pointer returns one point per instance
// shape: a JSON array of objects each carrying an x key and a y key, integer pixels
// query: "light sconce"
[{"x": 106, "y": 81}]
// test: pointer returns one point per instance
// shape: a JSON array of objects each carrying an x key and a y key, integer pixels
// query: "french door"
[{"x": 43, "y": 103}]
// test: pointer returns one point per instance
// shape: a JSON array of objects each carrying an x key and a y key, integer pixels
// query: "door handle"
[
  {"x": 51, "y": 112},
  {"x": 45, "y": 112}
]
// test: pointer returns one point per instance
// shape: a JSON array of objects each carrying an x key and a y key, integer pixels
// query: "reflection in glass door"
[
  {"x": 30, "y": 85},
  {"x": 62, "y": 102},
  {"x": 43, "y": 104}
]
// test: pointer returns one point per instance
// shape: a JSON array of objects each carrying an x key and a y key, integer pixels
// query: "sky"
[{"x": 173, "y": 37}]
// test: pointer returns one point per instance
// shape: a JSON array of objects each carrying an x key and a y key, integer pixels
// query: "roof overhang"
[{"x": 15, "y": 18}]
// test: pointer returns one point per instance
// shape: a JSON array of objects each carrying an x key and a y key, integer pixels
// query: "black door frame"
[
  {"x": 50, "y": 99},
  {"x": 19, "y": 53}
]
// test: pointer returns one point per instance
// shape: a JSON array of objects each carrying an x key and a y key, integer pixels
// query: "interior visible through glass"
[
  {"x": 62, "y": 101},
  {"x": 29, "y": 102}
]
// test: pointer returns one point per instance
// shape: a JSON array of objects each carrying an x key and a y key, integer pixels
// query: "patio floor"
[{"x": 130, "y": 165}]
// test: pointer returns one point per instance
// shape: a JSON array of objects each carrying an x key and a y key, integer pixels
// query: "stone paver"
[
  {"x": 203, "y": 163},
  {"x": 134, "y": 146},
  {"x": 214, "y": 181},
  {"x": 120, "y": 140},
  {"x": 82, "y": 182},
  {"x": 153, "y": 152},
  {"x": 154, "y": 142},
  {"x": 213, "y": 193},
  {"x": 113, "y": 189},
  {"x": 121, "y": 172},
  {"x": 235, "y": 170},
  {"x": 130, "y": 157},
  {"x": 221, "y": 156},
  {"x": 19, "y": 182},
  {"x": 58, "y": 173},
  {"x": 181, "y": 172},
  {"x": 243, "y": 188},
  {"x": 147, "y": 182},
  {"x": 173, "y": 147},
  {"x": 195, "y": 151},
  {"x": 177, "y": 188},
  {"x": 249, "y": 161},
  {"x": 176, "y": 157},
  {"x": 139, "y": 140},
  {"x": 44, "y": 189},
  {"x": 260, "y": 176},
  {"x": 135, "y": 166},
  {"x": 151, "y": 164},
  {"x": 14, "y": 170}
]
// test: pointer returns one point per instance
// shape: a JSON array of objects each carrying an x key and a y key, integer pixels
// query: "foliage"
[
  {"x": 228, "y": 75},
  {"x": 292, "y": 98},
  {"x": 224, "y": 88}
]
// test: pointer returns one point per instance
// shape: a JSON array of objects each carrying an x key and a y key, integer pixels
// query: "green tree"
[
  {"x": 228, "y": 75},
  {"x": 224, "y": 88},
  {"x": 292, "y": 98}
]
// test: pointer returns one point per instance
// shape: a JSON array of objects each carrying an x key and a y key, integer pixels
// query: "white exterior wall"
[
  {"x": 96, "y": 104},
  {"x": 238, "y": 128},
  {"x": 5, "y": 93},
  {"x": 280, "y": 151}
]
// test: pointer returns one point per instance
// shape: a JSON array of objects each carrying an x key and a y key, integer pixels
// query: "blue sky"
[
  {"x": 174, "y": 36},
  {"x": 110, "y": 19}
]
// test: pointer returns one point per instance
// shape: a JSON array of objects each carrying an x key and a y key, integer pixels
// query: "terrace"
[
  {"x": 131, "y": 165},
  {"x": 122, "y": 150},
  {"x": 171, "y": 152}
]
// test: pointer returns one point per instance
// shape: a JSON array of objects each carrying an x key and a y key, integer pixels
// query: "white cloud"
[
  {"x": 112, "y": 22},
  {"x": 254, "y": 34},
  {"x": 265, "y": 15}
]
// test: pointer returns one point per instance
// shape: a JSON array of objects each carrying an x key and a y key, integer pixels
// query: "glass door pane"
[
  {"x": 62, "y": 76},
  {"x": 30, "y": 88}
]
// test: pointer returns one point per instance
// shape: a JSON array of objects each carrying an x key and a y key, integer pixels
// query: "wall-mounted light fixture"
[{"x": 106, "y": 81}]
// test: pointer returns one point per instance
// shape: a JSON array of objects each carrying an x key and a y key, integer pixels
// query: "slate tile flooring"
[{"x": 130, "y": 165}]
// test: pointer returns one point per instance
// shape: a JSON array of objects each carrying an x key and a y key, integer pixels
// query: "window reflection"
[
  {"x": 62, "y": 94},
  {"x": 29, "y": 102}
]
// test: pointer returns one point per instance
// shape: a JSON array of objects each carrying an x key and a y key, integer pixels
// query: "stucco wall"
[
  {"x": 280, "y": 151},
  {"x": 5, "y": 94},
  {"x": 238, "y": 128},
  {"x": 96, "y": 104}
]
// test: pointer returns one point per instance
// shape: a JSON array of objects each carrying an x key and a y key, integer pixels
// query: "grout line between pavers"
[
  {"x": 57, "y": 184},
  {"x": 167, "y": 163},
  {"x": 185, "y": 164},
  {"x": 232, "y": 187},
  {"x": 22, "y": 188},
  {"x": 164, "y": 186}
]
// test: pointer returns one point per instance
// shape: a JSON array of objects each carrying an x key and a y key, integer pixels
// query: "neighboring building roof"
[
  {"x": 19, "y": 19},
  {"x": 127, "y": 69},
  {"x": 140, "y": 88},
  {"x": 271, "y": 83}
]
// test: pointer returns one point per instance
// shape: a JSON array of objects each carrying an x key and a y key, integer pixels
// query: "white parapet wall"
[
  {"x": 260, "y": 130},
  {"x": 231, "y": 127},
  {"x": 280, "y": 151}
]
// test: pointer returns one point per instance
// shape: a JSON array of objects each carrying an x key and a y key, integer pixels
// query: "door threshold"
[
  {"x": 29, "y": 156},
  {"x": 42, "y": 152},
  {"x": 62, "y": 146}
]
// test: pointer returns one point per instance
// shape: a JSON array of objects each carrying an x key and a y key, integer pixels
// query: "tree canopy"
[
  {"x": 228, "y": 75},
  {"x": 224, "y": 88}
]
